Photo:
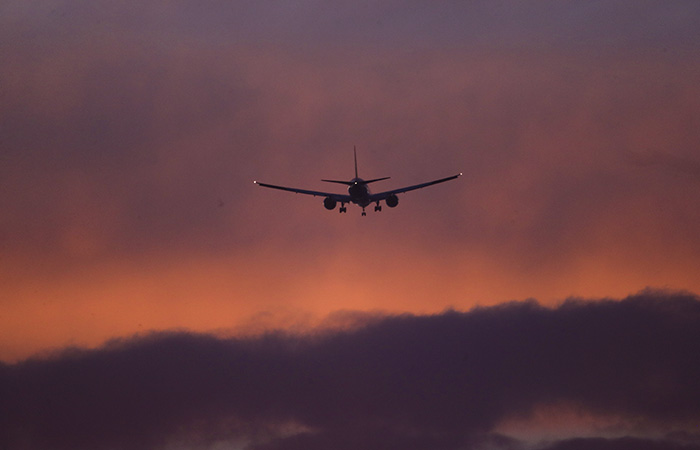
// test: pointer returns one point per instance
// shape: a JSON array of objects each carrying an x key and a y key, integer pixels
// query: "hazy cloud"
[
  {"x": 674, "y": 165},
  {"x": 132, "y": 128},
  {"x": 622, "y": 444}
]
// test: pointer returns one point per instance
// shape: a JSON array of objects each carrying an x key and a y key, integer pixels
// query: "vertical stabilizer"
[{"x": 354, "y": 149}]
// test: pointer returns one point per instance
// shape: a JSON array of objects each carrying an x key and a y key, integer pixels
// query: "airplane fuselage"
[{"x": 359, "y": 192}]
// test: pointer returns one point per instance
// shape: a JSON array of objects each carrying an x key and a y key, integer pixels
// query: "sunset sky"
[{"x": 130, "y": 136}]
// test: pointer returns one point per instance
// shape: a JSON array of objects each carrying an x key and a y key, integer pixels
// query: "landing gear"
[
  {"x": 363, "y": 211},
  {"x": 343, "y": 208},
  {"x": 377, "y": 208}
]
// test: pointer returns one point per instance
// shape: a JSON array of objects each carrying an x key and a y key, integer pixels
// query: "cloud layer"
[{"x": 444, "y": 381}]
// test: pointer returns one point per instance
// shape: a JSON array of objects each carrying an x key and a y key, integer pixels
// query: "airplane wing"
[
  {"x": 337, "y": 197},
  {"x": 384, "y": 195}
]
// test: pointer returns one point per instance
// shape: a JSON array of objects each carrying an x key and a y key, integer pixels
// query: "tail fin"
[
  {"x": 354, "y": 150},
  {"x": 350, "y": 183}
]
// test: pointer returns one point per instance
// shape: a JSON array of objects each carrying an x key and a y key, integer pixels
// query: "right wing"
[
  {"x": 384, "y": 195},
  {"x": 337, "y": 197}
]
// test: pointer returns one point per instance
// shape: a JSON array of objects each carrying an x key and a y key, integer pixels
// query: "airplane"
[{"x": 358, "y": 192}]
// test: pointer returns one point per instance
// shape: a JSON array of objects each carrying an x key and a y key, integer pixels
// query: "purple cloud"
[{"x": 442, "y": 381}]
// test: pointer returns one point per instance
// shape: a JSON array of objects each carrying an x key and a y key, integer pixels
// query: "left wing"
[
  {"x": 337, "y": 197},
  {"x": 384, "y": 195}
]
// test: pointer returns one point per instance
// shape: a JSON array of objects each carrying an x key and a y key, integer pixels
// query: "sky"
[{"x": 135, "y": 248}]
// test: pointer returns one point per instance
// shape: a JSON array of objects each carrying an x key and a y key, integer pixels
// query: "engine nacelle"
[
  {"x": 392, "y": 200},
  {"x": 329, "y": 203}
]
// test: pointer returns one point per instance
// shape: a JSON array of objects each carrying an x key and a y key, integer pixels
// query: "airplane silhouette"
[{"x": 358, "y": 192}]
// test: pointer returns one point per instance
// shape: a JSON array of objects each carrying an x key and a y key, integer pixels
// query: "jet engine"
[
  {"x": 392, "y": 200},
  {"x": 329, "y": 203}
]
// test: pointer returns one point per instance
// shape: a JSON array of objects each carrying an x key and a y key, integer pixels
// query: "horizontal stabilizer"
[
  {"x": 376, "y": 179},
  {"x": 357, "y": 180},
  {"x": 347, "y": 183}
]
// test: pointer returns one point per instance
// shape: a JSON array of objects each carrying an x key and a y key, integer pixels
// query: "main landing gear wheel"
[{"x": 343, "y": 209}]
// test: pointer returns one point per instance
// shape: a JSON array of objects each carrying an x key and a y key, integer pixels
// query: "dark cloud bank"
[{"x": 395, "y": 382}]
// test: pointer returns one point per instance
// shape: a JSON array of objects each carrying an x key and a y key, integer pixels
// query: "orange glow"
[
  {"x": 258, "y": 291},
  {"x": 552, "y": 422}
]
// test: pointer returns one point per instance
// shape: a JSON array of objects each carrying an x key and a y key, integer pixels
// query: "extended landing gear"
[
  {"x": 363, "y": 212},
  {"x": 377, "y": 208},
  {"x": 343, "y": 209}
]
